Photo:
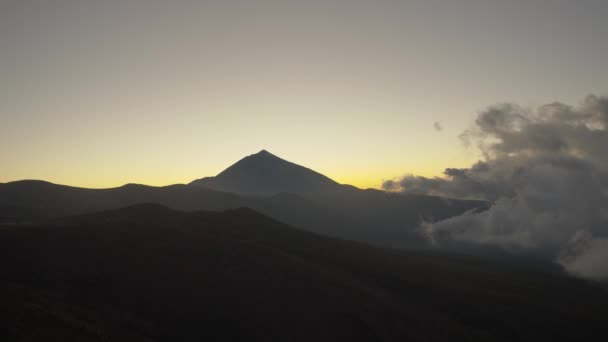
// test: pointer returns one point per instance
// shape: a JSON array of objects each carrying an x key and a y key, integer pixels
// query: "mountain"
[
  {"x": 266, "y": 174},
  {"x": 150, "y": 273},
  {"x": 285, "y": 191},
  {"x": 32, "y": 200},
  {"x": 373, "y": 216},
  {"x": 369, "y": 216}
]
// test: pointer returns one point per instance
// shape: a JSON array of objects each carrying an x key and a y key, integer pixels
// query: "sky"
[{"x": 103, "y": 93}]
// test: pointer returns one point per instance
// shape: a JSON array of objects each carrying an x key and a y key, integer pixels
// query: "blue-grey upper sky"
[{"x": 101, "y": 93}]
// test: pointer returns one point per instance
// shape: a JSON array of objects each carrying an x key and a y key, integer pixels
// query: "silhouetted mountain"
[
  {"x": 370, "y": 216},
  {"x": 266, "y": 174},
  {"x": 151, "y": 273},
  {"x": 288, "y": 192},
  {"x": 32, "y": 200}
]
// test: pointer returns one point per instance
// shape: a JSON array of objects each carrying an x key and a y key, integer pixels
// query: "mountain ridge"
[{"x": 266, "y": 183}]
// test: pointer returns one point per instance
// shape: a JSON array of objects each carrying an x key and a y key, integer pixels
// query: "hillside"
[{"x": 153, "y": 273}]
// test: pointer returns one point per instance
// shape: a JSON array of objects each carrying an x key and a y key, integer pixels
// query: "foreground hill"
[{"x": 151, "y": 273}]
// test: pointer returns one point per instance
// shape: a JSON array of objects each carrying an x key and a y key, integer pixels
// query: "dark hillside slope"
[{"x": 155, "y": 273}]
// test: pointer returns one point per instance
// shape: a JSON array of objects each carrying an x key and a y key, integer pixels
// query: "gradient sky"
[{"x": 103, "y": 93}]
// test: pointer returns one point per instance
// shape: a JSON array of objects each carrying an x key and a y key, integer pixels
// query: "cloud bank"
[{"x": 545, "y": 172}]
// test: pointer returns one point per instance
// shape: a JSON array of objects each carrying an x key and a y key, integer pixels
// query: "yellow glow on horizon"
[
  {"x": 362, "y": 180},
  {"x": 99, "y": 174}
]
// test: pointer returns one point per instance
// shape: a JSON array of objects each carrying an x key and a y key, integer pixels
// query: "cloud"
[
  {"x": 545, "y": 172},
  {"x": 438, "y": 127}
]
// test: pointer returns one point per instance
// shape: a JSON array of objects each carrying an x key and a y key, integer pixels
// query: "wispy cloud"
[{"x": 438, "y": 127}]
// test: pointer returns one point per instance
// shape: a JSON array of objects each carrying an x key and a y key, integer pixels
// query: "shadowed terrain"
[{"x": 148, "y": 272}]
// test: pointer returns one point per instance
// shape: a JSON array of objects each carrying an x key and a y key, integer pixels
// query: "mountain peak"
[
  {"x": 264, "y": 173},
  {"x": 263, "y": 154}
]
